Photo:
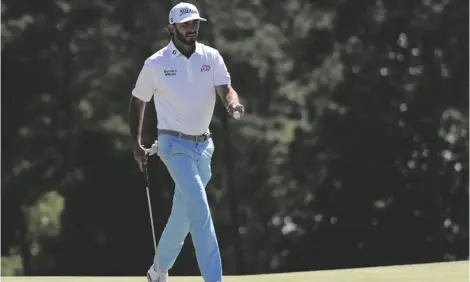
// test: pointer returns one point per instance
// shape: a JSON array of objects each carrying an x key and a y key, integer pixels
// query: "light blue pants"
[{"x": 189, "y": 164}]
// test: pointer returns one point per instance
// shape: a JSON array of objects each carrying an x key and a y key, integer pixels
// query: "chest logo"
[
  {"x": 169, "y": 72},
  {"x": 205, "y": 68}
]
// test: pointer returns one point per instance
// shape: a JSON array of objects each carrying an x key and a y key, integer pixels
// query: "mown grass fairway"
[{"x": 436, "y": 272}]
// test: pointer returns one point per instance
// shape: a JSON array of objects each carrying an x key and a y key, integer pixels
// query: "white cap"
[{"x": 183, "y": 12}]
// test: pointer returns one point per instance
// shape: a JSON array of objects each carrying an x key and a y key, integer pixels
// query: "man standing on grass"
[{"x": 183, "y": 78}]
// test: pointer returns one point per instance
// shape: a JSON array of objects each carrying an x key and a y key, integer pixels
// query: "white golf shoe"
[{"x": 156, "y": 276}]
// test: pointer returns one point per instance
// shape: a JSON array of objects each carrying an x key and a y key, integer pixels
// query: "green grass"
[{"x": 435, "y": 272}]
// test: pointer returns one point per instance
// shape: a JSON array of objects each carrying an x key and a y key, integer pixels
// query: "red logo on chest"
[{"x": 205, "y": 68}]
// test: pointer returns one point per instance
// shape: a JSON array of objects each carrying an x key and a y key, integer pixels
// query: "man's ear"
[{"x": 171, "y": 28}]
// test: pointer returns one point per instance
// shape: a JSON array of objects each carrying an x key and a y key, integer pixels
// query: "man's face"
[{"x": 187, "y": 32}]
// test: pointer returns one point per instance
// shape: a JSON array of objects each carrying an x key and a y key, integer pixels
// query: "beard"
[{"x": 185, "y": 40}]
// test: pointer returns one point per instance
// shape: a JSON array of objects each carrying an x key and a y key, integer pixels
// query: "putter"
[{"x": 147, "y": 188}]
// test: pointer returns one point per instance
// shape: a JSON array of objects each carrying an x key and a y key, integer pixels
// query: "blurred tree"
[{"x": 355, "y": 138}]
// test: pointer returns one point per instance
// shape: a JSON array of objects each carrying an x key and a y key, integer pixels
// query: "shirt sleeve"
[
  {"x": 144, "y": 86},
  {"x": 221, "y": 74}
]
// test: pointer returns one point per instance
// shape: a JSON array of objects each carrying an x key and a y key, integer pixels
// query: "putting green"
[{"x": 435, "y": 272}]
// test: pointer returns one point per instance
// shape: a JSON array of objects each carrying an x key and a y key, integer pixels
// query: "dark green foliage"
[{"x": 353, "y": 152}]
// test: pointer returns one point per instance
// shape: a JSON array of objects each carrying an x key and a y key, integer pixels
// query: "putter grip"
[{"x": 153, "y": 149}]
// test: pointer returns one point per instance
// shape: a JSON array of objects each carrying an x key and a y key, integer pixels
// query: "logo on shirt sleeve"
[{"x": 205, "y": 68}]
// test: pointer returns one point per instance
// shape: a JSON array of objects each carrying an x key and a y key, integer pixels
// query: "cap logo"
[{"x": 187, "y": 11}]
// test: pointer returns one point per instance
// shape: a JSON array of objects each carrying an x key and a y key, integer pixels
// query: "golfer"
[{"x": 183, "y": 78}]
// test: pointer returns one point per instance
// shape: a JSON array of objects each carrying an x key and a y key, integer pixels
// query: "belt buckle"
[{"x": 202, "y": 138}]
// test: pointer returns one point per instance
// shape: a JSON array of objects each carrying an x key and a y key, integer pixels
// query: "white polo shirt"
[{"x": 183, "y": 89}]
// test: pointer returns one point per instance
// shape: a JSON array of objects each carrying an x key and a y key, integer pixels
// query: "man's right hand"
[{"x": 140, "y": 155}]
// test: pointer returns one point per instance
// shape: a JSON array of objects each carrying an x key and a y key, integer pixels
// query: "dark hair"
[{"x": 168, "y": 32}]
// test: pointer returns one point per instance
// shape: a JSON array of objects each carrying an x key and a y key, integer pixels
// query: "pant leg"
[
  {"x": 173, "y": 236},
  {"x": 177, "y": 227},
  {"x": 182, "y": 163},
  {"x": 206, "y": 150},
  {"x": 208, "y": 256}
]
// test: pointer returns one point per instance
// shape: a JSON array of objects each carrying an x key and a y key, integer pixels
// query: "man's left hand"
[{"x": 234, "y": 107}]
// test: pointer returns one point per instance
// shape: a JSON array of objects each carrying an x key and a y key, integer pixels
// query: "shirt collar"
[{"x": 175, "y": 52}]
